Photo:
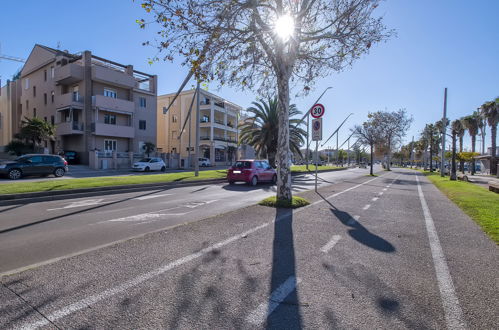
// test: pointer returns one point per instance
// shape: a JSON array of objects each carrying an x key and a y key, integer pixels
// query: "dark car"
[
  {"x": 71, "y": 156},
  {"x": 34, "y": 164},
  {"x": 251, "y": 172}
]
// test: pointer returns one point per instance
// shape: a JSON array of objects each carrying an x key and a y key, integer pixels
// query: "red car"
[{"x": 251, "y": 172}]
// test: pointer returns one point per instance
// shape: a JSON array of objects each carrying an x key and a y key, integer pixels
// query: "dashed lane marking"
[
  {"x": 141, "y": 198},
  {"x": 375, "y": 199},
  {"x": 331, "y": 243},
  {"x": 366, "y": 207}
]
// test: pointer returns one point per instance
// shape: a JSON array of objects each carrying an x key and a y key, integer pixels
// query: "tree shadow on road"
[{"x": 359, "y": 232}]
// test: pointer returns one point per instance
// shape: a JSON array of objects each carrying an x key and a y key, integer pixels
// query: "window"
[
  {"x": 174, "y": 119},
  {"x": 45, "y": 98},
  {"x": 27, "y": 106},
  {"x": 110, "y": 145},
  {"x": 110, "y": 119},
  {"x": 45, "y": 119},
  {"x": 26, "y": 83},
  {"x": 142, "y": 124},
  {"x": 52, "y": 72},
  {"x": 52, "y": 95},
  {"x": 142, "y": 101},
  {"x": 36, "y": 159},
  {"x": 34, "y": 112},
  {"x": 34, "y": 91},
  {"x": 110, "y": 93},
  {"x": 45, "y": 75},
  {"x": 52, "y": 120}
]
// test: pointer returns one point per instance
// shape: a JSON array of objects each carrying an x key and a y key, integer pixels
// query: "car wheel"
[
  {"x": 254, "y": 181},
  {"x": 274, "y": 179},
  {"x": 163, "y": 169},
  {"x": 59, "y": 172},
  {"x": 147, "y": 169},
  {"x": 15, "y": 174}
]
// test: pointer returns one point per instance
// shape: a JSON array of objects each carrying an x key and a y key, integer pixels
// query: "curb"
[{"x": 44, "y": 196}]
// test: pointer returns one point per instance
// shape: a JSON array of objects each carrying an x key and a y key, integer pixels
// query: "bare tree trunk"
[
  {"x": 371, "y": 168},
  {"x": 461, "y": 163},
  {"x": 431, "y": 154},
  {"x": 388, "y": 159},
  {"x": 453, "y": 169},
  {"x": 473, "y": 141},
  {"x": 493, "y": 160},
  {"x": 283, "y": 171}
]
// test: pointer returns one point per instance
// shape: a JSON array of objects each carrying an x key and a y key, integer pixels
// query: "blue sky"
[{"x": 446, "y": 43}]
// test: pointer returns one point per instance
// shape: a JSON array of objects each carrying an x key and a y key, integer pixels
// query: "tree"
[
  {"x": 148, "y": 147},
  {"x": 430, "y": 134},
  {"x": 456, "y": 128},
  {"x": 260, "y": 44},
  {"x": 460, "y": 134},
  {"x": 393, "y": 127},
  {"x": 342, "y": 155},
  {"x": 17, "y": 147},
  {"x": 368, "y": 134},
  {"x": 261, "y": 129},
  {"x": 471, "y": 123},
  {"x": 490, "y": 111},
  {"x": 35, "y": 130}
]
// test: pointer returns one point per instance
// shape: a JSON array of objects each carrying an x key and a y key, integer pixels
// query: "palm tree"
[
  {"x": 35, "y": 130},
  {"x": 490, "y": 111},
  {"x": 430, "y": 133},
  {"x": 471, "y": 123},
  {"x": 456, "y": 129},
  {"x": 148, "y": 147},
  {"x": 460, "y": 134},
  {"x": 261, "y": 129}
]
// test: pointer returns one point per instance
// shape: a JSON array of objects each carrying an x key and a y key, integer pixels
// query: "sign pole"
[{"x": 316, "y": 160}]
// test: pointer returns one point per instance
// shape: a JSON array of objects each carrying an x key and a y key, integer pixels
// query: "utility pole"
[
  {"x": 444, "y": 130},
  {"x": 196, "y": 148},
  {"x": 307, "y": 152},
  {"x": 337, "y": 149},
  {"x": 348, "y": 153}
]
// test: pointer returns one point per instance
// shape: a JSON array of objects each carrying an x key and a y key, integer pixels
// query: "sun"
[{"x": 284, "y": 27}]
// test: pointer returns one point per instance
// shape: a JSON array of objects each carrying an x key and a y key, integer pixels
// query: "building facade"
[
  {"x": 10, "y": 120},
  {"x": 218, "y": 130},
  {"x": 96, "y": 104}
]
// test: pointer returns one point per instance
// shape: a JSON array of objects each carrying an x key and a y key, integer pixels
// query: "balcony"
[
  {"x": 112, "y": 76},
  {"x": 114, "y": 130},
  {"x": 70, "y": 127},
  {"x": 68, "y": 100},
  {"x": 112, "y": 104},
  {"x": 68, "y": 74}
]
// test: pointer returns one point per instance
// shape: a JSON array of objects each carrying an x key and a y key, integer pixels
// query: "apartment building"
[
  {"x": 9, "y": 114},
  {"x": 218, "y": 133},
  {"x": 95, "y": 103}
]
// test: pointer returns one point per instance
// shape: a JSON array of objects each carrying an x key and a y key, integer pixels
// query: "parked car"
[
  {"x": 251, "y": 172},
  {"x": 204, "y": 162},
  {"x": 149, "y": 164},
  {"x": 72, "y": 157},
  {"x": 34, "y": 164}
]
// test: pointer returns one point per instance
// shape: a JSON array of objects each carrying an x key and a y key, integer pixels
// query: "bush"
[
  {"x": 296, "y": 202},
  {"x": 18, "y": 148}
]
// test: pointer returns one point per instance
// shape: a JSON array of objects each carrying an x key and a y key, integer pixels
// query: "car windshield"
[
  {"x": 242, "y": 165},
  {"x": 145, "y": 160},
  {"x": 21, "y": 159}
]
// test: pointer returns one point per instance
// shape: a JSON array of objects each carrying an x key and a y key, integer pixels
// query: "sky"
[{"x": 439, "y": 44}]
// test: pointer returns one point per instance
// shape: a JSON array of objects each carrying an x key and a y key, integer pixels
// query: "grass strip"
[
  {"x": 477, "y": 202},
  {"x": 311, "y": 168},
  {"x": 68, "y": 184},
  {"x": 296, "y": 202}
]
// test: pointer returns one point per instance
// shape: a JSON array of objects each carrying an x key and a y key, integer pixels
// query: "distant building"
[
  {"x": 95, "y": 103},
  {"x": 218, "y": 134},
  {"x": 10, "y": 120}
]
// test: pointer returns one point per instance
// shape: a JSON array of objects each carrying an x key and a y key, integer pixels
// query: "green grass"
[
  {"x": 477, "y": 202},
  {"x": 303, "y": 168},
  {"x": 296, "y": 202},
  {"x": 24, "y": 187}
]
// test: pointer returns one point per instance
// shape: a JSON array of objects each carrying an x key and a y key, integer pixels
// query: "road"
[{"x": 386, "y": 252}]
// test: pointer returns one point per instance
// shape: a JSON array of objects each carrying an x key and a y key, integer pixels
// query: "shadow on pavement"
[
  {"x": 359, "y": 232},
  {"x": 287, "y": 314}
]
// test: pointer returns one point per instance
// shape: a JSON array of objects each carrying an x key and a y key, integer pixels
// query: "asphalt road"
[{"x": 385, "y": 253}]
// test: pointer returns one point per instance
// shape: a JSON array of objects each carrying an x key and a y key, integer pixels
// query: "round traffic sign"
[
  {"x": 317, "y": 110},
  {"x": 317, "y": 125}
]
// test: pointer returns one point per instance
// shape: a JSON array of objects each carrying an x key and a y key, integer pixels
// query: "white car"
[
  {"x": 204, "y": 162},
  {"x": 149, "y": 164}
]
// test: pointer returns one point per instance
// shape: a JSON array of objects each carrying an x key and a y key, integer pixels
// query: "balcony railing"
[
  {"x": 220, "y": 122},
  {"x": 69, "y": 99},
  {"x": 204, "y": 137},
  {"x": 220, "y": 104},
  {"x": 110, "y": 104},
  {"x": 70, "y": 127}
]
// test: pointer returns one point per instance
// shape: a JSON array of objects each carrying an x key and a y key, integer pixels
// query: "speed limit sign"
[{"x": 317, "y": 110}]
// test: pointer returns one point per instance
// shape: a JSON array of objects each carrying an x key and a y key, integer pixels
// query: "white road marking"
[
  {"x": 450, "y": 302},
  {"x": 89, "y": 301},
  {"x": 375, "y": 199},
  {"x": 331, "y": 243},
  {"x": 366, "y": 207},
  {"x": 87, "y": 202},
  {"x": 260, "y": 314},
  {"x": 385, "y": 189},
  {"x": 141, "y": 198},
  {"x": 380, "y": 193},
  {"x": 353, "y": 220}
]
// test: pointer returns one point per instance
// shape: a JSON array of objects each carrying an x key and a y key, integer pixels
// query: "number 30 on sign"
[{"x": 317, "y": 110}]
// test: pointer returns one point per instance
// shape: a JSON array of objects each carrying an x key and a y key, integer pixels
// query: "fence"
[{"x": 112, "y": 160}]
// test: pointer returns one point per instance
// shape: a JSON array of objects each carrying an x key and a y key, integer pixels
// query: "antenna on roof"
[{"x": 58, "y": 45}]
